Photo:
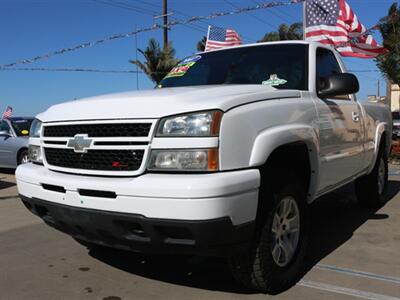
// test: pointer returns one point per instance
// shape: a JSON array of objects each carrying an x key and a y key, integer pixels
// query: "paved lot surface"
[{"x": 353, "y": 254}]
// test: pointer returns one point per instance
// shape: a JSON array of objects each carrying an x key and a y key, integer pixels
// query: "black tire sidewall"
[
  {"x": 256, "y": 268},
  {"x": 367, "y": 186},
  {"x": 382, "y": 196},
  {"x": 277, "y": 276},
  {"x": 21, "y": 155}
]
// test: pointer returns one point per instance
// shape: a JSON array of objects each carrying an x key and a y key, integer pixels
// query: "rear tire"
[
  {"x": 274, "y": 261},
  {"x": 371, "y": 189}
]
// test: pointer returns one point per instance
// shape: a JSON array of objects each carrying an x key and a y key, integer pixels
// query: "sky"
[{"x": 29, "y": 28}]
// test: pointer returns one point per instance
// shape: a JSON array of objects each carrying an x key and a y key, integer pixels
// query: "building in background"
[
  {"x": 394, "y": 96},
  {"x": 377, "y": 99}
]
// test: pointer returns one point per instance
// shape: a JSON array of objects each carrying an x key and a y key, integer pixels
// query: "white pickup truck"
[{"x": 222, "y": 158}]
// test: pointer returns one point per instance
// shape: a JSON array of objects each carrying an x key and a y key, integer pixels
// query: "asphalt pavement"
[{"x": 353, "y": 254}]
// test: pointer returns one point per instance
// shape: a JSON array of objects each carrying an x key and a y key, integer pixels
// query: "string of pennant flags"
[
  {"x": 11, "y": 66},
  {"x": 72, "y": 70},
  {"x": 86, "y": 70},
  {"x": 152, "y": 28}
]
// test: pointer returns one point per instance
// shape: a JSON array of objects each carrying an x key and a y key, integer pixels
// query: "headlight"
[
  {"x": 199, "y": 124},
  {"x": 36, "y": 128},
  {"x": 35, "y": 154},
  {"x": 184, "y": 160}
]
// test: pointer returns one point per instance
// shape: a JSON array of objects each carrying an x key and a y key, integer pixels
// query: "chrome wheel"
[
  {"x": 381, "y": 176},
  {"x": 24, "y": 159},
  {"x": 285, "y": 231}
]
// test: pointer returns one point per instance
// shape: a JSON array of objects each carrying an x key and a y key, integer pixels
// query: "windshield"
[
  {"x": 22, "y": 126},
  {"x": 283, "y": 66}
]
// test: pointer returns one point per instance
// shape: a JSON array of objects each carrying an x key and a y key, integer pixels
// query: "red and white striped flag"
[
  {"x": 8, "y": 112},
  {"x": 333, "y": 22},
  {"x": 218, "y": 38}
]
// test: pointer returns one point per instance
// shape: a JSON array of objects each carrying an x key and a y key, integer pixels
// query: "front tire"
[
  {"x": 274, "y": 261},
  {"x": 23, "y": 157},
  {"x": 371, "y": 189}
]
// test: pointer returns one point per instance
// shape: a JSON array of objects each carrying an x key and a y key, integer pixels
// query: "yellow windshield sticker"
[{"x": 184, "y": 66}]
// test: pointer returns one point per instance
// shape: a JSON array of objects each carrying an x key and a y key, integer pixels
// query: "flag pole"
[
  {"x": 208, "y": 35},
  {"x": 304, "y": 20}
]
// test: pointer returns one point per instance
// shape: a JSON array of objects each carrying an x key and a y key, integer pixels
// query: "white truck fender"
[
  {"x": 272, "y": 138},
  {"x": 380, "y": 129}
]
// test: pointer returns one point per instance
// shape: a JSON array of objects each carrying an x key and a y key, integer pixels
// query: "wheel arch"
[
  {"x": 22, "y": 149},
  {"x": 382, "y": 135},
  {"x": 292, "y": 147}
]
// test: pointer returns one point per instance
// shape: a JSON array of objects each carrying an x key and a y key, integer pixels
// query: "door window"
[
  {"x": 327, "y": 65},
  {"x": 4, "y": 126}
]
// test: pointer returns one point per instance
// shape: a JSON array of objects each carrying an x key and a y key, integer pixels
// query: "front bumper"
[
  {"x": 217, "y": 237},
  {"x": 206, "y": 214}
]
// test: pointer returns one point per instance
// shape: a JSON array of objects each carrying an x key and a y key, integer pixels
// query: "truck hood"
[{"x": 157, "y": 103}]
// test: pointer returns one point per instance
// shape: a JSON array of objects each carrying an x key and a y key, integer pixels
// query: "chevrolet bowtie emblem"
[{"x": 80, "y": 143}]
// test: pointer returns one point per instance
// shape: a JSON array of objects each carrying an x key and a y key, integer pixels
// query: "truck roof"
[{"x": 291, "y": 42}]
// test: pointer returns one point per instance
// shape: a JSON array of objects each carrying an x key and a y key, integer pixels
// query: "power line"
[
  {"x": 154, "y": 13},
  {"x": 364, "y": 71},
  {"x": 253, "y": 16},
  {"x": 135, "y": 7},
  {"x": 174, "y": 10},
  {"x": 87, "y": 70},
  {"x": 271, "y": 12},
  {"x": 283, "y": 12},
  {"x": 287, "y": 14},
  {"x": 128, "y": 6},
  {"x": 152, "y": 28},
  {"x": 121, "y": 5},
  {"x": 191, "y": 26},
  {"x": 72, "y": 70},
  {"x": 363, "y": 74}
]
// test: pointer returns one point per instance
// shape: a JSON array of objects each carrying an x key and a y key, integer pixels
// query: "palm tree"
[
  {"x": 284, "y": 33},
  {"x": 389, "y": 63},
  {"x": 158, "y": 62},
  {"x": 201, "y": 45}
]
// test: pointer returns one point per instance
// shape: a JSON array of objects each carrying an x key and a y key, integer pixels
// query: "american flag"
[
  {"x": 8, "y": 112},
  {"x": 333, "y": 22},
  {"x": 220, "y": 38}
]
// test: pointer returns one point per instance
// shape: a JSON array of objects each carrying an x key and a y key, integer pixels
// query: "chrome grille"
[
  {"x": 99, "y": 130},
  {"x": 113, "y": 148}
]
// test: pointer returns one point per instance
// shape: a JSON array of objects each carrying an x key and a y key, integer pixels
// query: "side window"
[
  {"x": 4, "y": 126},
  {"x": 327, "y": 65}
]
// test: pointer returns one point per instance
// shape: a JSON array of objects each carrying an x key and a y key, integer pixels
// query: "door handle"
[{"x": 355, "y": 116}]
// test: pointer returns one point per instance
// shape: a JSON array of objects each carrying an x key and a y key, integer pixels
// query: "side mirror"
[
  {"x": 5, "y": 133},
  {"x": 338, "y": 85}
]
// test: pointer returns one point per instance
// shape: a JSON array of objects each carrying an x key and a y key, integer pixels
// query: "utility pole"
[
  {"x": 165, "y": 18},
  {"x": 137, "y": 69},
  {"x": 388, "y": 93},
  {"x": 379, "y": 88}
]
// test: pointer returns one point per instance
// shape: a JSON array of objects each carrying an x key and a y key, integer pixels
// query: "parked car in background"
[
  {"x": 14, "y": 140},
  {"x": 396, "y": 124}
]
